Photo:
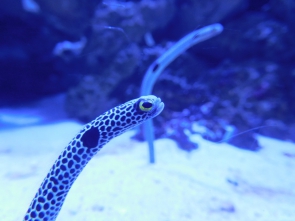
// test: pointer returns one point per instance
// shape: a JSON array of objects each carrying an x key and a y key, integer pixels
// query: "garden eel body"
[{"x": 50, "y": 197}]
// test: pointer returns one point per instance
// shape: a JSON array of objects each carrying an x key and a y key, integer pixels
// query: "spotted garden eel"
[
  {"x": 157, "y": 67},
  {"x": 53, "y": 190}
]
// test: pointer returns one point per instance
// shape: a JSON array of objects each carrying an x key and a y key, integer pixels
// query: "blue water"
[{"x": 227, "y": 129}]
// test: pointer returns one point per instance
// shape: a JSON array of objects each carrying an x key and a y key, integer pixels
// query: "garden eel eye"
[{"x": 145, "y": 105}]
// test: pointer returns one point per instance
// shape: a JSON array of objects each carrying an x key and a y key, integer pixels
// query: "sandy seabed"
[{"x": 216, "y": 182}]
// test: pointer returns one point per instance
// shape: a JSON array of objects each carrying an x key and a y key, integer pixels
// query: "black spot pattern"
[
  {"x": 50, "y": 197},
  {"x": 90, "y": 137}
]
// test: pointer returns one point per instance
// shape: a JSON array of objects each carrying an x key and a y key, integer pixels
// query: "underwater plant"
[
  {"x": 156, "y": 68},
  {"x": 56, "y": 185}
]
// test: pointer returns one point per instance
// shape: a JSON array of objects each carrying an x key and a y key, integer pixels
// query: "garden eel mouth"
[
  {"x": 159, "y": 106},
  {"x": 52, "y": 192}
]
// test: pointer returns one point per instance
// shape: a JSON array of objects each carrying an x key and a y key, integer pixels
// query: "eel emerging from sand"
[
  {"x": 53, "y": 190},
  {"x": 157, "y": 67}
]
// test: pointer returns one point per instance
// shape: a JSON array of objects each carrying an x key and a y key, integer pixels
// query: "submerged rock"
[
  {"x": 283, "y": 10},
  {"x": 253, "y": 35},
  {"x": 99, "y": 51}
]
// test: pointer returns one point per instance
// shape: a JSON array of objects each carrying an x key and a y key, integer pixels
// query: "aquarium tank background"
[{"x": 72, "y": 60}]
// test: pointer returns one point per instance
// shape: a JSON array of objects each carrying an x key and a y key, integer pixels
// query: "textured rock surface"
[
  {"x": 91, "y": 96},
  {"x": 70, "y": 17},
  {"x": 253, "y": 35}
]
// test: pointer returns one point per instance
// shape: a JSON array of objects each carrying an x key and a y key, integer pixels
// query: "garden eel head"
[
  {"x": 119, "y": 119},
  {"x": 148, "y": 105}
]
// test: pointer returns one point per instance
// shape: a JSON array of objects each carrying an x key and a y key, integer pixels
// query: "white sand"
[{"x": 213, "y": 183}]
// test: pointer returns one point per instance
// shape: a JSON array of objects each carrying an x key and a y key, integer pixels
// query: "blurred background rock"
[{"x": 96, "y": 52}]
